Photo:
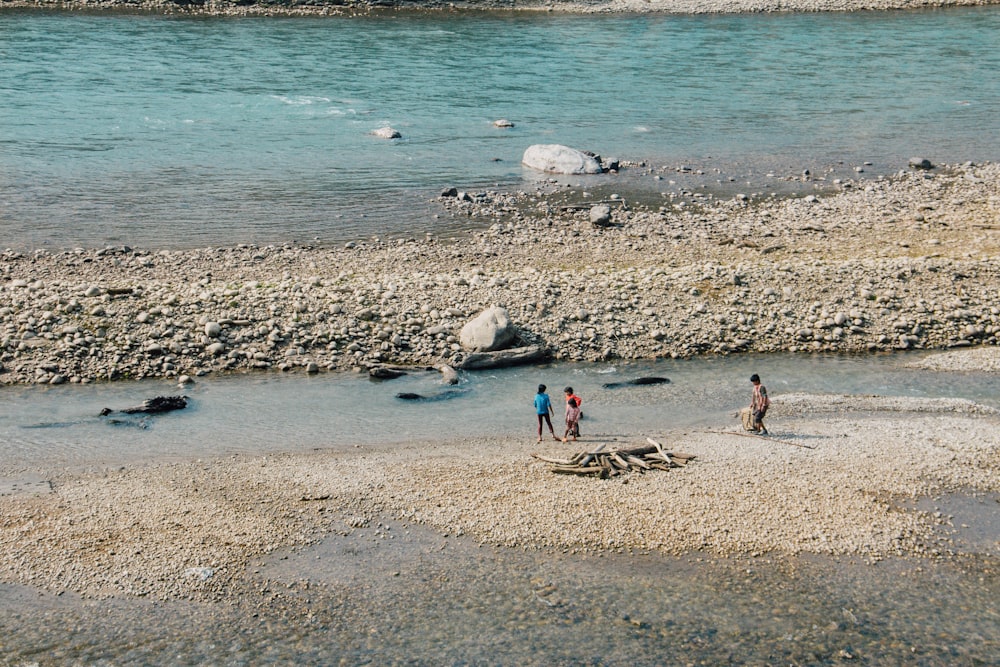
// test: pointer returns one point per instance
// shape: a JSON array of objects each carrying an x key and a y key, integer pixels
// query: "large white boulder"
[
  {"x": 491, "y": 330},
  {"x": 559, "y": 159}
]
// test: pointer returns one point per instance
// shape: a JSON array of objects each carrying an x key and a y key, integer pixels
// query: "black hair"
[
  {"x": 755, "y": 378},
  {"x": 568, "y": 390},
  {"x": 572, "y": 402},
  {"x": 541, "y": 388}
]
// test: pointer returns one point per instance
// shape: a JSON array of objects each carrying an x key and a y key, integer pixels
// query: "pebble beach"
[{"x": 899, "y": 263}]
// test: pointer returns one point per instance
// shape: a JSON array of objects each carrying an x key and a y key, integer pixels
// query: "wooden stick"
[
  {"x": 619, "y": 461},
  {"x": 589, "y": 470},
  {"x": 763, "y": 437},
  {"x": 589, "y": 457},
  {"x": 636, "y": 461},
  {"x": 550, "y": 459}
]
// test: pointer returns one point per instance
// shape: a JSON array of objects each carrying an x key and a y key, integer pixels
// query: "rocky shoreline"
[
  {"x": 910, "y": 261},
  {"x": 359, "y": 7}
]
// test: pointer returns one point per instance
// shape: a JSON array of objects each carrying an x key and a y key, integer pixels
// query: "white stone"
[
  {"x": 386, "y": 133},
  {"x": 490, "y": 330},
  {"x": 559, "y": 159}
]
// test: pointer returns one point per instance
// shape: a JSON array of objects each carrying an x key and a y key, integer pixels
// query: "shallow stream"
[{"x": 269, "y": 412}]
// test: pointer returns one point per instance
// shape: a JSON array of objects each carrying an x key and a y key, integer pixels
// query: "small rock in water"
[{"x": 387, "y": 133}]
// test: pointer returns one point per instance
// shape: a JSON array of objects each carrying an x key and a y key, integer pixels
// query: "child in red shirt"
[{"x": 579, "y": 402}]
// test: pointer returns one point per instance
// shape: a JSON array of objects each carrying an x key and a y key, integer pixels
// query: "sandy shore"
[{"x": 830, "y": 480}]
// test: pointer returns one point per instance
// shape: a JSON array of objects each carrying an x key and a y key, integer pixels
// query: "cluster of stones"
[{"x": 902, "y": 263}]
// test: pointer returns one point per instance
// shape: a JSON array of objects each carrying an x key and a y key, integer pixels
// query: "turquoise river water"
[{"x": 176, "y": 132}]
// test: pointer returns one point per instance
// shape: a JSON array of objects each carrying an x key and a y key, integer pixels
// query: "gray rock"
[
  {"x": 448, "y": 374},
  {"x": 383, "y": 373},
  {"x": 491, "y": 330},
  {"x": 529, "y": 354},
  {"x": 600, "y": 215},
  {"x": 386, "y": 133},
  {"x": 559, "y": 159},
  {"x": 920, "y": 163}
]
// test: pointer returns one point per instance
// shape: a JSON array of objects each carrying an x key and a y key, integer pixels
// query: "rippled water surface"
[
  {"x": 395, "y": 594},
  {"x": 171, "y": 131}
]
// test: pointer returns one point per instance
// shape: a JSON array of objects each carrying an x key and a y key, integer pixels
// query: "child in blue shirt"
[{"x": 543, "y": 408}]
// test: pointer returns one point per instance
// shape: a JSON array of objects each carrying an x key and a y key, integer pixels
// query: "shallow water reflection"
[
  {"x": 396, "y": 594},
  {"x": 270, "y": 412}
]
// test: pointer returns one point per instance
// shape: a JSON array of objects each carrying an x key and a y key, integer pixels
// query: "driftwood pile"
[{"x": 615, "y": 462}]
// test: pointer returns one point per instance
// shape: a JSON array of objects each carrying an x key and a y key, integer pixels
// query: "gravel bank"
[
  {"x": 350, "y": 7},
  {"x": 825, "y": 483},
  {"x": 898, "y": 263},
  {"x": 977, "y": 359}
]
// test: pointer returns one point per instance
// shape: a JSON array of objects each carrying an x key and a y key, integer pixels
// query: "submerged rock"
[
  {"x": 636, "y": 382},
  {"x": 442, "y": 396},
  {"x": 153, "y": 405},
  {"x": 384, "y": 373}
]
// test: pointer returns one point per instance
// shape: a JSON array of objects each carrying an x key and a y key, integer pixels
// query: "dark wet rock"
[
  {"x": 153, "y": 405},
  {"x": 383, "y": 373},
  {"x": 636, "y": 382},
  {"x": 921, "y": 163},
  {"x": 442, "y": 396}
]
